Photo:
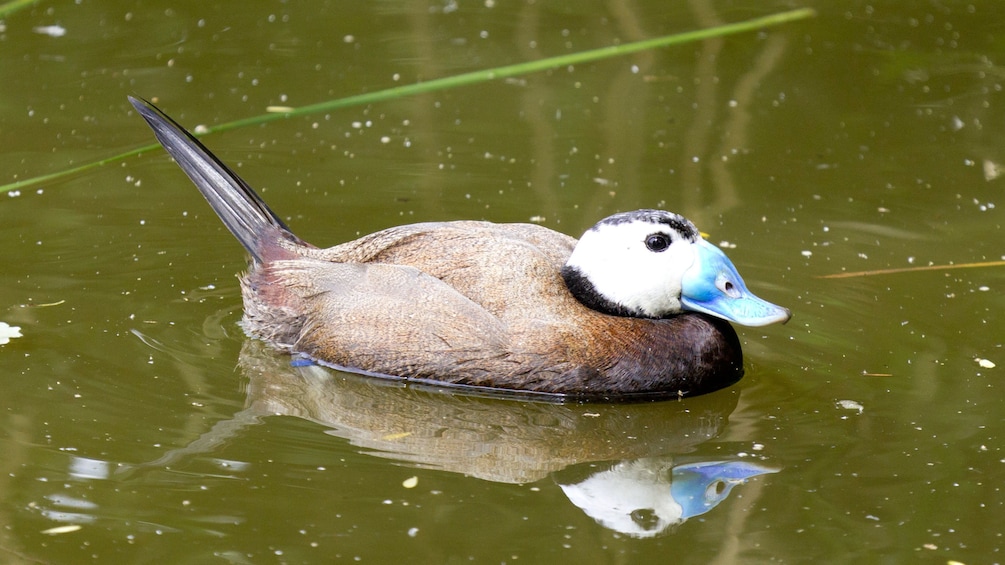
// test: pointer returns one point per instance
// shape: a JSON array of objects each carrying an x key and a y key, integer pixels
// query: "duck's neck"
[{"x": 689, "y": 353}]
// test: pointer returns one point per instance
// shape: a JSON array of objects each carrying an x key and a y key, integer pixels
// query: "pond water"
[{"x": 139, "y": 425}]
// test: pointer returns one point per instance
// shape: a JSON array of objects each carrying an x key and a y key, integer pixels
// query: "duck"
[{"x": 638, "y": 307}]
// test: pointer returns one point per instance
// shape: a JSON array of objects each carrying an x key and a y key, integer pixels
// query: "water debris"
[
  {"x": 61, "y": 530},
  {"x": 8, "y": 332},
  {"x": 992, "y": 170},
  {"x": 985, "y": 363},
  {"x": 44, "y": 304},
  {"x": 850, "y": 405},
  {"x": 847, "y": 275},
  {"x": 279, "y": 109},
  {"x": 410, "y": 482},
  {"x": 51, "y": 31}
]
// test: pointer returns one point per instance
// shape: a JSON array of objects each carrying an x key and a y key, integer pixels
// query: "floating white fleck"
[
  {"x": 850, "y": 405},
  {"x": 61, "y": 529},
  {"x": 410, "y": 482},
  {"x": 51, "y": 31},
  {"x": 985, "y": 363},
  {"x": 8, "y": 332},
  {"x": 992, "y": 170}
]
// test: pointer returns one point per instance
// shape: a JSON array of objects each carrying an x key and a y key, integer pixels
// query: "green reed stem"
[
  {"x": 14, "y": 5},
  {"x": 456, "y": 81}
]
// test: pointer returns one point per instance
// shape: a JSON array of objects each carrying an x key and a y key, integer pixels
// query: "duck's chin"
[{"x": 587, "y": 293}]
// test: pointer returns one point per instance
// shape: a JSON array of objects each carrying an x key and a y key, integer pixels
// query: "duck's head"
[{"x": 655, "y": 264}]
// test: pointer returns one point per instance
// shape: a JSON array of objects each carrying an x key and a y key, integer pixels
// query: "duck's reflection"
[
  {"x": 625, "y": 465},
  {"x": 644, "y": 497}
]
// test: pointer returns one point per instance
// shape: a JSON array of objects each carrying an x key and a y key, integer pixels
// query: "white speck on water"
[
  {"x": 51, "y": 31},
  {"x": 850, "y": 405},
  {"x": 806, "y": 253},
  {"x": 61, "y": 530},
  {"x": 985, "y": 363},
  {"x": 992, "y": 170}
]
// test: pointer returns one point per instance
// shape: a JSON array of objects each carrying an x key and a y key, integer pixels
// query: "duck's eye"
[
  {"x": 658, "y": 242},
  {"x": 645, "y": 518}
]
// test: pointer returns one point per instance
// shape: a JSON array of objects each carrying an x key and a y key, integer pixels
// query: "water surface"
[{"x": 139, "y": 425}]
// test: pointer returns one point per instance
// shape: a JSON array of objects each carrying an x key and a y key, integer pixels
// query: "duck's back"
[{"x": 511, "y": 270}]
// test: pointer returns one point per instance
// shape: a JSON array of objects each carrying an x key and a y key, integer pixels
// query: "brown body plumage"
[{"x": 462, "y": 303}]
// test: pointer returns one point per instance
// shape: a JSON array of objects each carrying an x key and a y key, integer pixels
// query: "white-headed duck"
[{"x": 637, "y": 307}]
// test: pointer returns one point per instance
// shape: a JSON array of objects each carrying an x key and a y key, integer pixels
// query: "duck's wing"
[
  {"x": 511, "y": 270},
  {"x": 379, "y": 318}
]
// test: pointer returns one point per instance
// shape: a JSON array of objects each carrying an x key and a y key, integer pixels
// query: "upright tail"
[{"x": 243, "y": 212}]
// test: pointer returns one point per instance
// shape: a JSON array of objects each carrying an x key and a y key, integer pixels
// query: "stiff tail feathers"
[{"x": 243, "y": 212}]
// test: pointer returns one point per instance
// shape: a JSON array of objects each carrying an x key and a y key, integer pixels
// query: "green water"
[{"x": 138, "y": 425}]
